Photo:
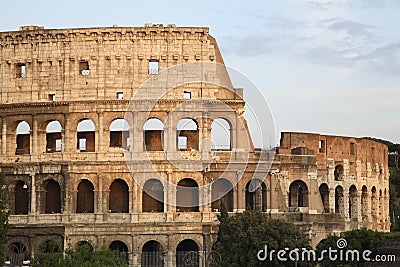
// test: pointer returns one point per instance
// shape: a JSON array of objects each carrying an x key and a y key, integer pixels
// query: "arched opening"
[
  {"x": 119, "y": 133},
  {"x": 221, "y": 135},
  {"x": 23, "y": 138},
  {"x": 84, "y": 245},
  {"x": 153, "y": 196},
  {"x": 53, "y": 197},
  {"x": 339, "y": 173},
  {"x": 86, "y": 136},
  {"x": 353, "y": 210},
  {"x": 364, "y": 203},
  {"x": 53, "y": 137},
  {"x": 324, "y": 193},
  {"x": 187, "y": 135},
  {"x": 187, "y": 196},
  {"x": 119, "y": 197},
  {"x": 85, "y": 197},
  {"x": 152, "y": 254},
  {"x": 187, "y": 254},
  {"x": 222, "y": 192},
  {"x": 153, "y": 131},
  {"x": 339, "y": 200},
  {"x": 17, "y": 253},
  {"x": 298, "y": 195},
  {"x": 256, "y": 195},
  {"x": 120, "y": 247},
  {"x": 20, "y": 197}
]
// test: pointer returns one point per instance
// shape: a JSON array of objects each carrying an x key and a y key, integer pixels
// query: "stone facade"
[{"x": 62, "y": 90}]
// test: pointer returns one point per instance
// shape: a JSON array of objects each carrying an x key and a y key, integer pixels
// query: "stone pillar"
[
  {"x": 359, "y": 206},
  {"x": 332, "y": 200},
  {"x": 33, "y": 194},
  {"x": 99, "y": 135},
  {"x": 346, "y": 204},
  {"x": 4, "y": 136},
  {"x": 34, "y": 136}
]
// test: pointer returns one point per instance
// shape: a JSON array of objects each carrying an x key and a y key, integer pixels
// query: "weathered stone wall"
[{"x": 45, "y": 182}]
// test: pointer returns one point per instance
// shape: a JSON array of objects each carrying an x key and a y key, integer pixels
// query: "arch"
[
  {"x": 187, "y": 196},
  {"x": 324, "y": 193},
  {"x": 119, "y": 133},
  {"x": 298, "y": 195},
  {"x": 187, "y": 251},
  {"x": 364, "y": 203},
  {"x": 86, "y": 135},
  {"x": 84, "y": 245},
  {"x": 23, "y": 139},
  {"x": 53, "y": 137},
  {"x": 85, "y": 197},
  {"x": 339, "y": 172},
  {"x": 152, "y": 254},
  {"x": 187, "y": 134},
  {"x": 222, "y": 192},
  {"x": 119, "y": 197},
  {"x": 221, "y": 134},
  {"x": 153, "y": 196},
  {"x": 53, "y": 197},
  {"x": 339, "y": 200},
  {"x": 153, "y": 131},
  {"x": 120, "y": 247},
  {"x": 20, "y": 197},
  {"x": 256, "y": 195},
  {"x": 17, "y": 252},
  {"x": 353, "y": 209}
]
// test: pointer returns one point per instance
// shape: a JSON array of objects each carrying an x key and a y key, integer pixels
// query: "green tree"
[
  {"x": 241, "y": 236},
  {"x": 360, "y": 240},
  {"x": 4, "y": 213},
  {"x": 83, "y": 256}
]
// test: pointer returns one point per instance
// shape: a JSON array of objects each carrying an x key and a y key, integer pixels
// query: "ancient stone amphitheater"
[{"x": 86, "y": 162}]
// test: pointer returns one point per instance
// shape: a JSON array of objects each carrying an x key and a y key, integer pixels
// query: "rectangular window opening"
[
  {"x": 321, "y": 146},
  {"x": 182, "y": 142},
  {"x": 187, "y": 95},
  {"x": 153, "y": 67},
  {"x": 352, "y": 148},
  {"x": 58, "y": 145},
  {"x": 82, "y": 144},
  {"x": 120, "y": 95},
  {"x": 52, "y": 97},
  {"x": 21, "y": 71},
  {"x": 84, "y": 68}
]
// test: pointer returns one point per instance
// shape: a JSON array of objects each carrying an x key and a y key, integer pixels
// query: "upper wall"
[
  {"x": 42, "y": 65},
  {"x": 337, "y": 148}
]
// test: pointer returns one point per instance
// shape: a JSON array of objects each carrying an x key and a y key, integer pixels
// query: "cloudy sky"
[{"x": 324, "y": 66}]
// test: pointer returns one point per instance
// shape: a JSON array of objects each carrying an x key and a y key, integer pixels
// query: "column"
[{"x": 4, "y": 136}]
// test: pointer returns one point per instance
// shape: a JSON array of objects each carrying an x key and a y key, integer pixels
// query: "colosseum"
[{"x": 86, "y": 162}]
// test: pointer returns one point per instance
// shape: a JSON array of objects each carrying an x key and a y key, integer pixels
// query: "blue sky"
[{"x": 324, "y": 66}]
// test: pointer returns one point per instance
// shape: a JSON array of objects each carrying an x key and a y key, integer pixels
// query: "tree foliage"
[
  {"x": 82, "y": 256},
  {"x": 241, "y": 236},
  {"x": 4, "y": 213},
  {"x": 360, "y": 240}
]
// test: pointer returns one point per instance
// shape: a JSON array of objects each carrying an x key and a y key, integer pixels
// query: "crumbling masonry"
[{"x": 64, "y": 137}]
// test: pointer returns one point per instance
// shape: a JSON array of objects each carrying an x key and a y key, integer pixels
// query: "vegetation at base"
[
  {"x": 82, "y": 256},
  {"x": 4, "y": 213},
  {"x": 242, "y": 235}
]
